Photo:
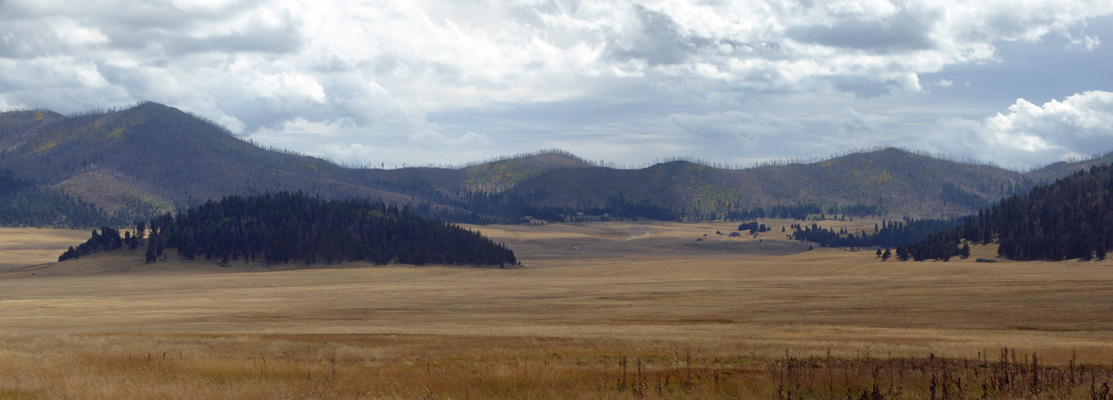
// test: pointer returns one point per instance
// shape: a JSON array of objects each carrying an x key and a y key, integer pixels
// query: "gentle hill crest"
[{"x": 501, "y": 174}]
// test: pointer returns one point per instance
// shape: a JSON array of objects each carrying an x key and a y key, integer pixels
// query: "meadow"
[{"x": 602, "y": 310}]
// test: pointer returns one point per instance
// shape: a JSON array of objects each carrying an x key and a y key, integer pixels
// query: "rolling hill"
[
  {"x": 152, "y": 158},
  {"x": 896, "y": 181}
]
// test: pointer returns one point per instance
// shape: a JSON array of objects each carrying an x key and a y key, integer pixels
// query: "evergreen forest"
[
  {"x": 292, "y": 227},
  {"x": 1069, "y": 219},
  {"x": 885, "y": 234}
]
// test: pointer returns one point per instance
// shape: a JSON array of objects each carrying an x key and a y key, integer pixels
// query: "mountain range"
[{"x": 153, "y": 158}]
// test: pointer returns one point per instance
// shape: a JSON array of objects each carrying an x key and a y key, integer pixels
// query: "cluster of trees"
[
  {"x": 938, "y": 246},
  {"x": 857, "y": 210},
  {"x": 1069, "y": 219},
  {"x": 622, "y": 207},
  {"x": 482, "y": 207},
  {"x": 108, "y": 239},
  {"x": 753, "y": 227},
  {"x": 797, "y": 212},
  {"x": 886, "y": 234},
  {"x": 293, "y": 227},
  {"x": 801, "y": 212}
]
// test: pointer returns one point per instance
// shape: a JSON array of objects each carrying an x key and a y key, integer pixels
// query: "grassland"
[
  {"x": 615, "y": 310},
  {"x": 21, "y": 247}
]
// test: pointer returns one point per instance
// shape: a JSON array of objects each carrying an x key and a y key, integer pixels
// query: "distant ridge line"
[{"x": 777, "y": 162}]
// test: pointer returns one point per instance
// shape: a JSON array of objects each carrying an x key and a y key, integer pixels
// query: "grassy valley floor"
[{"x": 603, "y": 310}]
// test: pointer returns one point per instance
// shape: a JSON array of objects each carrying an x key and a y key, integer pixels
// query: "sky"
[{"x": 1017, "y": 83}]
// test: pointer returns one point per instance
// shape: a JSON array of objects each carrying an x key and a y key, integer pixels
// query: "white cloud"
[
  {"x": 287, "y": 84},
  {"x": 1083, "y": 115},
  {"x": 68, "y": 31},
  {"x": 1029, "y": 134}
]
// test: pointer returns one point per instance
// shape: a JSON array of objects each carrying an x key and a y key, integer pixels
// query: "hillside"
[
  {"x": 1051, "y": 172},
  {"x": 895, "y": 181},
  {"x": 22, "y": 203},
  {"x": 1069, "y": 219},
  {"x": 161, "y": 156},
  {"x": 151, "y": 158}
]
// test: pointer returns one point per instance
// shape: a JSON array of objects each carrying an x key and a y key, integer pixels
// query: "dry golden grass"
[
  {"x": 26, "y": 246},
  {"x": 710, "y": 319}
]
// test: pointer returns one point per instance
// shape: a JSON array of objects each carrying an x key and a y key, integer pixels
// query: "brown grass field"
[
  {"x": 602, "y": 311},
  {"x": 19, "y": 247}
]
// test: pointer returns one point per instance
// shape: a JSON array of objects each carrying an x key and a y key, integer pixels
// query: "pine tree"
[
  {"x": 902, "y": 253},
  {"x": 71, "y": 253}
]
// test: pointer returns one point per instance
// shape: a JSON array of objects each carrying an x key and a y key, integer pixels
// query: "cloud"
[
  {"x": 252, "y": 35},
  {"x": 1028, "y": 134},
  {"x": 738, "y": 130},
  {"x": 744, "y": 137},
  {"x": 902, "y": 30},
  {"x": 1078, "y": 117},
  {"x": 377, "y": 74},
  {"x": 652, "y": 37},
  {"x": 849, "y": 122}
]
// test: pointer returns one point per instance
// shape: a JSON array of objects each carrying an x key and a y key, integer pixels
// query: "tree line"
[
  {"x": 885, "y": 234},
  {"x": 1069, "y": 219},
  {"x": 801, "y": 212},
  {"x": 753, "y": 227},
  {"x": 290, "y": 227}
]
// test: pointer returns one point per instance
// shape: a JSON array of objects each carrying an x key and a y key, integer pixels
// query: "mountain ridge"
[{"x": 167, "y": 159}]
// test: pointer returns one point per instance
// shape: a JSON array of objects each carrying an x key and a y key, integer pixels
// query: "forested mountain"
[
  {"x": 1069, "y": 219},
  {"x": 161, "y": 155},
  {"x": 296, "y": 228},
  {"x": 152, "y": 158},
  {"x": 888, "y": 181}
]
